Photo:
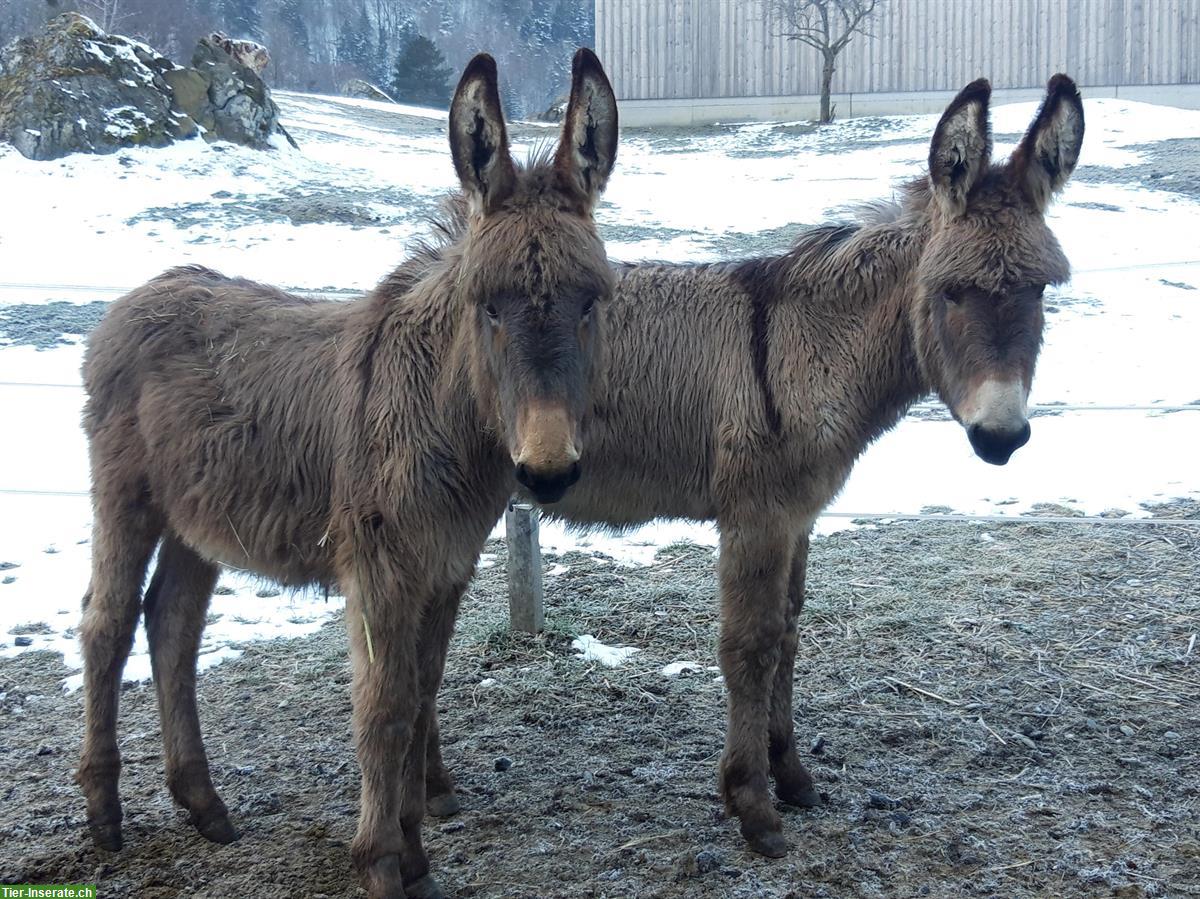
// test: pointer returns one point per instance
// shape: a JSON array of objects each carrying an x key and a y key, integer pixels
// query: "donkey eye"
[
  {"x": 492, "y": 312},
  {"x": 588, "y": 305},
  {"x": 950, "y": 298}
]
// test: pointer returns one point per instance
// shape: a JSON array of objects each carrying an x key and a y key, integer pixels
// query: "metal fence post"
[{"x": 524, "y": 568}]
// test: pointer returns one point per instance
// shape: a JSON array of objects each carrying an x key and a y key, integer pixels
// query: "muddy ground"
[{"x": 1005, "y": 710}]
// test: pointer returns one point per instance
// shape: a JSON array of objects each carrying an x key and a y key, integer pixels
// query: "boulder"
[
  {"x": 189, "y": 94},
  {"x": 365, "y": 90},
  {"x": 556, "y": 110},
  {"x": 241, "y": 106},
  {"x": 252, "y": 55},
  {"x": 75, "y": 88}
]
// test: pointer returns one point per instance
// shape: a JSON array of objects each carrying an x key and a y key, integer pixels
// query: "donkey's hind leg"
[
  {"x": 793, "y": 784},
  {"x": 124, "y": 532},
  {"x": 441, "y": 801},
  {"x": 176, "y": 605}
]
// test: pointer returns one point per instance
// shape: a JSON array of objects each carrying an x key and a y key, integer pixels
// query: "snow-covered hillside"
[{"x": 341, "y": 211}]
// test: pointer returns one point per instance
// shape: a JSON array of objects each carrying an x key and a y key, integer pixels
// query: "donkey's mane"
[
  {"x": 765, "y": 276},
  {"x": 908, "y": 198},
  {"x": 540, "y": 156},
  {"x": 813, "y": 254},
  {"x": 812, "y": 248},
  {"x": 448, "y": 223}
]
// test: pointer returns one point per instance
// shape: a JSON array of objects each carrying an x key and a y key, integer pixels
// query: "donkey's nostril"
[
  {"x": 997, "y": 447},
  {"x": 548, "y": 486},
  {"x": 523, "y": 476}
]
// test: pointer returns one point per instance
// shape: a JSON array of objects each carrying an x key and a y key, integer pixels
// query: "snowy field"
[{"x": 340, "y": 212}]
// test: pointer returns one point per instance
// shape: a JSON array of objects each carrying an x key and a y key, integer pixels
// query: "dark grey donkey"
[
  {"x": 743, "y": 393},
  {"x": 369, "y": 445}
]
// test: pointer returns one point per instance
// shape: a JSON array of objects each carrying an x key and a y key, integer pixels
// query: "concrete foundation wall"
[{"x": 707, "y": 111}]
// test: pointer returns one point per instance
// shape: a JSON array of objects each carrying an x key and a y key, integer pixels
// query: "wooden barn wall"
[{"x": 664, "y": 49}]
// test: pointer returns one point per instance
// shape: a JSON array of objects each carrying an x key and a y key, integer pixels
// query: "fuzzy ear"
[
  {"x": 1047, "y": 154},
  {"x": 588, "y": 148},
  {"x": 962, "y": 147},
  {"x": 478, "y": 139}
]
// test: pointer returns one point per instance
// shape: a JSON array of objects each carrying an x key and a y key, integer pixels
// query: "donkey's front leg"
[
  {"x": 793, "y": 784},
  {"x": 383, "y": 643},
  {"x": 754, "y": 568},
  {"x": 436, "y": 629}
]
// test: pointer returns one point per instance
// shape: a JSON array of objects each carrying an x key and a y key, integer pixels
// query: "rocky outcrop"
[
  {"x": 75, "y": 88},
  {"x": 237, "y": 106}
]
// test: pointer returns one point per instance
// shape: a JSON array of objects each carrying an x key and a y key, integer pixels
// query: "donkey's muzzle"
[
  {"x": 548, "y": 486},
  {"x": 995, "y": 446}
]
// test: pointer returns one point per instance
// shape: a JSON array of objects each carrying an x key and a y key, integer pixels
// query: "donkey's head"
[
  {"x": 534, "y": 272},
  {"x": 978, "y": 319}
]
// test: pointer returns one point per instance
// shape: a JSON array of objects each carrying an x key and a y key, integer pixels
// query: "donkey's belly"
[
  {"x": 622, "y": 502},
  {"x": 284, "y": 551},
  {"x": 233, "y": 502},
  {"x": 287, "y": 565}
]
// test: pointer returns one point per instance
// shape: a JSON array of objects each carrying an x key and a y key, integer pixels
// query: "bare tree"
[
  {"x": 827, "y": 26},
  {"x": 106, "y": 13}
]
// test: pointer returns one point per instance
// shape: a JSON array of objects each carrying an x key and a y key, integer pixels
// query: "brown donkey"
[
  {"x": 743, "y": 392},
  {"x": 371, "y": 445}
]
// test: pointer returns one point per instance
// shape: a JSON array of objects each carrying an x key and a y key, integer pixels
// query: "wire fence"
[
  {"x": 101, "y": 291},
  {"x": 915, "y": 408},
  {"x": 967, "y": 517},
  {"x": 925, "y": 407}
]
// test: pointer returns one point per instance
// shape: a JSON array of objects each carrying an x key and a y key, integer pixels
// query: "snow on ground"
[
  {"x": 47, "y": 538},
  {"x": 592, "y": 650},
  {"x": 341, "y": 211}
]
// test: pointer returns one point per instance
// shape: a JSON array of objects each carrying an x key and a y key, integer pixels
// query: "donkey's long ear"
[
  {"x": 478, "y": 140},
  {"x": 588, "y": 148},
  {"x": 962, "y": 147},
  {"x": 1047, "y": 154}
]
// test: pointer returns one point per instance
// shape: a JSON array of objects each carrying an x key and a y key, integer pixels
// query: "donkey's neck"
[
  {"x": 845, "y": 293},
  {"x": 419, "y": 345}
]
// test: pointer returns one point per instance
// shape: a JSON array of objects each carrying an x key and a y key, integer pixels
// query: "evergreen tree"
[
  {"x": 354, "y": 42},
  {"x": 573, "y": 22},
  {"x": 291, "y": 16},
  {"x": 241, "y": 19},
  {"x": 421, "y": 74},
  {"x": 405, "y": 32},
  {"x": 510, "y": 98},
  {"x": 379, "y": 59}
]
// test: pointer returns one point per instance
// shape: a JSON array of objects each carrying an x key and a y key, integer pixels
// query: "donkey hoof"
[
  {"x": 769, "y": 843},
  {"x": 216, "y": 827},
  {"x": 443, "y": 805},
  {"x": 382, "y": 877},
  {"x": 219, "y": 830},
  {"x": 804, "y": 797},
  {"x": 424, "y": 888},
  {"x": 106, "y": 836}
]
